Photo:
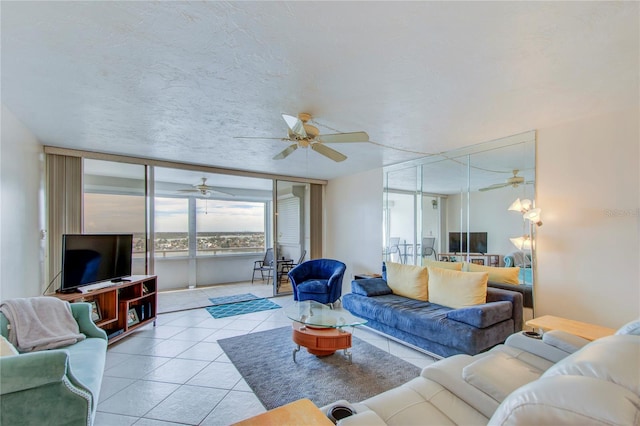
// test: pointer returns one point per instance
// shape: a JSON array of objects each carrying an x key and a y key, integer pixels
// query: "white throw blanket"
[{"x": 39, "y": 323}]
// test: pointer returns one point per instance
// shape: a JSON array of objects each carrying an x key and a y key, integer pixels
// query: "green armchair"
[{"x": 57, "y": 386}]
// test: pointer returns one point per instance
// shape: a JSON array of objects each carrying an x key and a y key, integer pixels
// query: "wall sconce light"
[
  {"x": 521, "y": 206},
  {"x": 521, "y": 243},
  {"x": 529, "y": 213},
  {"x": 434, "y": 204},
  {"x": 533, "y": 215}
]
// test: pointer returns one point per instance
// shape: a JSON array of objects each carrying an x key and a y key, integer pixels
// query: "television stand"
[
  {"x": 122, "y": 307},
  {"x": 477, "y": 258}
]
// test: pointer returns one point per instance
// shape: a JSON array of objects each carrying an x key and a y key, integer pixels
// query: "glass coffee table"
[{"x": 321, "y": 329}]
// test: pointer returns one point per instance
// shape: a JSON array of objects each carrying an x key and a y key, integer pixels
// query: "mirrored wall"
[{"x": 454, "y": 206}]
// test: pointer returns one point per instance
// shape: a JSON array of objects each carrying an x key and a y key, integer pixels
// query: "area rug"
[
  {"x": 265, "y": 361},
  {"x": 240, "y": 308},
  {"x": 223, "y": 300}
]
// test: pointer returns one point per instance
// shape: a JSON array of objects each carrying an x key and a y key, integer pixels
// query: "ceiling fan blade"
[
  {"x": 284, "y": 154},
  {"x": 496, "y": 186},
  {"x": 188, "y": 190},
  {"x": 296, "y": 126},
  {"x": 328, "y": 152},
  {"x": 345, "y": 137}
]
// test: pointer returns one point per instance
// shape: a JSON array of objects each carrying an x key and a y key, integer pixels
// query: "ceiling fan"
[
  {"x": 513, "y": 181},
  {"x": 304, "y": 135},
  {"x": 204, "y": 189}
]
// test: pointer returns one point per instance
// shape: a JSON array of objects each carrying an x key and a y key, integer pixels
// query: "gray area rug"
[{"x": 265, "y": 362}]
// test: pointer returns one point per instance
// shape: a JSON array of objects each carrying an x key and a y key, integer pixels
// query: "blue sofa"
[
  {"x": 437, "y": 329},
  {"x": 56, "y": 386}
]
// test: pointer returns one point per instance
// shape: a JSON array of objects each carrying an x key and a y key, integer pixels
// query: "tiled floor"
[{"x": 176, "y": 373}]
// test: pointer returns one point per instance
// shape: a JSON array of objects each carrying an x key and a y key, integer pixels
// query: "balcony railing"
[{"x": 167, "y": 253}]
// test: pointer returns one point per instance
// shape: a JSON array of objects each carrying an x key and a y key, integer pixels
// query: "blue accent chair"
[{"x": 318, "y": 279}]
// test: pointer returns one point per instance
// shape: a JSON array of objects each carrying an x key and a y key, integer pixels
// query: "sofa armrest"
[
  {"x": 82, "y": 313},
  {"x": 366, "y": 418},
  {"x": 482, "y": 316},
  {"x": 564, "y": 341},
  {"x": 499, "y": 295},
  {"x": 31, "y": 370},
  {"x": 536, "y": 347}
]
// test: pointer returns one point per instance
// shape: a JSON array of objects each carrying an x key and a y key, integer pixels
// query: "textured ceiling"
[{"x": 180, "y": 80}]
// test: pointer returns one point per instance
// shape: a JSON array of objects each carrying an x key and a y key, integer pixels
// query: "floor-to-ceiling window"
[
  {"x": 115, "y": 203},
  {"x": 192, "y": 225}
]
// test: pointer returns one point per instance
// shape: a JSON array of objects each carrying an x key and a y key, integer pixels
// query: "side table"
[
  {"x": 300, "y": 412},
  {"x": 578, "y": 328}
]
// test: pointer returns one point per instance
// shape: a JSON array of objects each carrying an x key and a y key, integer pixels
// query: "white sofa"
[{"x": 560, "y": 379}]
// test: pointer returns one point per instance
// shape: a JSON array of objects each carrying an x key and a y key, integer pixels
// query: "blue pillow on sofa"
[{"x": 370, "y": 287}]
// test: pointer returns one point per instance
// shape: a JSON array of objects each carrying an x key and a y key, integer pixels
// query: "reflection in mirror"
[
  {"x": 292, "y": 231},
  {"x": 458, "y": 202}
]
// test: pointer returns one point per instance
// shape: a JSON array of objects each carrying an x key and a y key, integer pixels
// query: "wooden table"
[
  {"x": 581, "y": 329},
  {"x": 321, "y": 341},
  {"x": 300, "y": 412}
]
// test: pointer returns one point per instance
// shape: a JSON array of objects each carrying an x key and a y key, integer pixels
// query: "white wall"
[
  {"x": 353, "y": 223},
  {"x": 588, "y": 248},
  {"x": 589, "y": 192},
  {"x": 21, "y": 255}
]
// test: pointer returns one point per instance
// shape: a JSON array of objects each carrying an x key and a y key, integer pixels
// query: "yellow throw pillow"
[
  {"x": 457, "y": 289},
  {"x": 6, "y": 348},
  {"x": 496, "y": 274},
  {"x": 408, "y": 280},
  {"x": 456, "y": 266}
]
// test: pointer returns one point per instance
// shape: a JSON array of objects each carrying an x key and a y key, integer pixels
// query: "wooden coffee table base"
[{"x": 320, "y": 341}]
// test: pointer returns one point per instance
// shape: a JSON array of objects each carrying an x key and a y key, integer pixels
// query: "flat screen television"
[
  {"x": 477, "y": 242},
  {"x": 92, "y": 258}
]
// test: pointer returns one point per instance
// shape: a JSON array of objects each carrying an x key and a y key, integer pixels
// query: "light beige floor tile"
[
  {"x": 152, "y": 422},
  {"x": 136, "y": 366},
  {"x": 188, "y": 404},
  {"x": 168, "y": 348},
  {"x": 160, "y": 331},
  {"x": 194, "y": 334},
  {"x": 203, "y": 351},
  {"x": 134, "y": 345},
  {"x": 223, "y": 334},
  {"x": 177, "y": 371},
  {"x": 109, "y": 419},
  {"x": 112, "y": 385},
  {"x": 217, "y": 375},
  {"x": 138, "y": 399},
  {"x": 234, "y": 407}
]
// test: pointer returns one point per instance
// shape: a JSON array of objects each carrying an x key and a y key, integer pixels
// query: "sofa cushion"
[
  {"x": 457, "y": 289},
  {"x": 482, "y": 316},
  {"x": 408, "y": 280},
  {"x": 499, "y": 374},
  {"x": 456, "y": 266},
  {"x": 496, "y": 274},
  {"x": 314, "y": 286},
  {"x": 370, "y": 287},
  {"x": 7, "y": 348},
  {"x": 612, "y": 358},
  {"x": 568, "y": 400},
  {"x": 86, "y": 366}
]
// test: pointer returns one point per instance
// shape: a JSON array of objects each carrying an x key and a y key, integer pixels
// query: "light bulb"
[{"x": 534, "y": 216}]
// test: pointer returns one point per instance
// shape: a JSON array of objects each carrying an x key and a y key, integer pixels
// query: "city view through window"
[{"x": 222, "y": 227}]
